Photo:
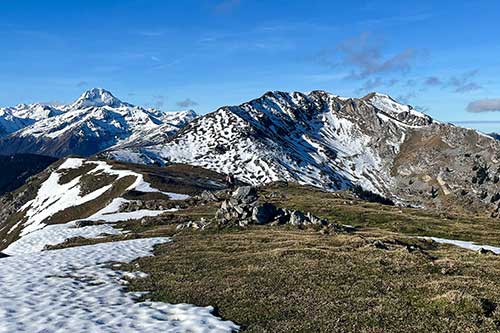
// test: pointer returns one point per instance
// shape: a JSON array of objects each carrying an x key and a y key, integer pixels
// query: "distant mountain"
[
  {"x": 16, "y": 169},
  {"x": 335, "y": 143},
  {"x": 94, "y": 122},
  {"x": 15, "y": 118}
]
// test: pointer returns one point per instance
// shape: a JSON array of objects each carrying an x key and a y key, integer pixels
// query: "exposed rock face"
[
  {"x": 336, "y": 143},
  {"x": 265, "y": 213}
]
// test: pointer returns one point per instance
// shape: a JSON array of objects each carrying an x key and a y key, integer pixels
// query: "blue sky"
[{"x": 440, "y": 56}]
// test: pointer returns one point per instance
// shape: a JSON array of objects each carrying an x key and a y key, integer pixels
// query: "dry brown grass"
[{"x": 288, "y": 280}]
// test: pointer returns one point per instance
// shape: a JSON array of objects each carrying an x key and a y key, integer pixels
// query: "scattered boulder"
[
  {"x": 485, "y": 251},
  {"x": 380, "y": 245},
  {"x": 263, "y": 214},
  {"x": 208, "y": 196},
  {"x": 244, "y": 195},
  {"x": 195, "y": 225},
  {"x": 297, "y": 218},
  {"x": 86, "y": 223},
  {"x": 243, "y": 208}
]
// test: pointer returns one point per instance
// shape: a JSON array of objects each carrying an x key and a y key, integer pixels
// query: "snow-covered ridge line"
[
  {"x": 72, "y": 290},
  {"x": 53, "y": 197}
]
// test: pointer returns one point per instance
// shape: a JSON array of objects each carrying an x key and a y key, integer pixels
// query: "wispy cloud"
[
  {"x": 433, "y": 81},
  {"x": 364, "y": 54},
  {"x": 82, "y": 84},
  {"x": 187, "y": 103},
  {"x": 371, "y": 84},
  {"x": 406, "y": 98},
  {"x": 484, "y": 105},
  {"x": 159, "y": 101},
  {"x": 464, "y": 83}
]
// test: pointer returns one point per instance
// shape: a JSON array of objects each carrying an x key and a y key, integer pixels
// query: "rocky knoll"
[{"x": 243, "y": 207}]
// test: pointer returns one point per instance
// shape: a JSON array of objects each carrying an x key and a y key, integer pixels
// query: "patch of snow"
[
  {"x": 464, "y": 244},
  {"x": 53, "y": 197},
  {"x": 145, "y": 187},
  {"x": 72, "y": 163},
  {"x": 58, "y": 233},
  {"x": 72, "y": 290}
]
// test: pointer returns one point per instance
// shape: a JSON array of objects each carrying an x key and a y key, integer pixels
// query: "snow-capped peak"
[
  {"x": 97, "y": 97},
  {"x": 402, "y": 112}
]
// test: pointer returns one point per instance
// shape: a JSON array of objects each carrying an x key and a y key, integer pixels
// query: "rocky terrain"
[
  {"x": 86, "y": 191},
  {"x": 335, "y": 143},
  {"x": 373, "y": 144}
]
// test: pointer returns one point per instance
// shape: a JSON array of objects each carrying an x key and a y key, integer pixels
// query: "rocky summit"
[{"x": 335, "y": 143}]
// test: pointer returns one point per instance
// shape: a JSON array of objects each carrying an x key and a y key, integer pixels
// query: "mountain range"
[
  {"x": 94, "y": 122},
  {"x": 373, "y": 143}
]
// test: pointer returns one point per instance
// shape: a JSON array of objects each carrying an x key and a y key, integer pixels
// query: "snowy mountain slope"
[
  {"x": 316, "y": 139},
  {"x": 23, "y": 115},
  {"x": 323, "y": 140},
  {"x": 75, "y": 289},
  {"x": 47, "y": 209},
  {"x": 9, "y": 123},
  {"x": 96, "y": 121}
]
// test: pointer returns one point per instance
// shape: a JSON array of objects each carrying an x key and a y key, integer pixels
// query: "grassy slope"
[
  {"x": 346, "y": 210},
  {"x": 281, "y": 279}
]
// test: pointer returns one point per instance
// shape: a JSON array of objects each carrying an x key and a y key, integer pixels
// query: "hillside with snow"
[
  {"x": 94, "y": 122},
  {"x": 83, "y": 199},
  {"x": 335, "y": 143}
]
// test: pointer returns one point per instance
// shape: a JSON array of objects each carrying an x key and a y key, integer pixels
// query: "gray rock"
[
  {"x": 380, "y": 245},
  {"x": 297, "y": 218},
  {"x": 195, "y": 225},
  {"x": 282, "y": 216},
  {"x": 245, "y": 194},
  {"x": 316, "y": 220},
  {"x": 264, "y": 213},
  {"x": 84, "y": 223},
  {"x": 208, "y": 196},
  {"x": 240, "y": 209}
]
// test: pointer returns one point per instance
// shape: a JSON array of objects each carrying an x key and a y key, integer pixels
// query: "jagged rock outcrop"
[{"x": 244, "y": 208}]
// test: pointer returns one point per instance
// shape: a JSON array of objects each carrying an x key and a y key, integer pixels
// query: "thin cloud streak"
[{"x": 484, "y": 105}]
